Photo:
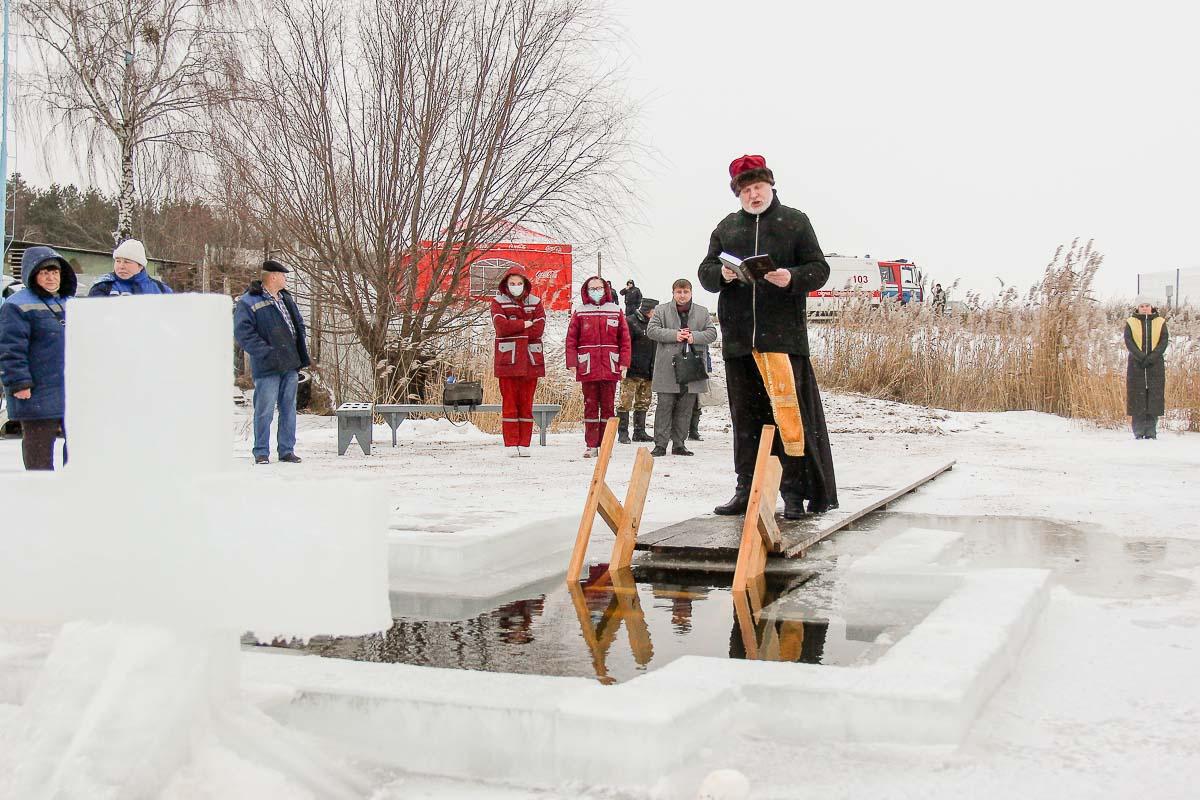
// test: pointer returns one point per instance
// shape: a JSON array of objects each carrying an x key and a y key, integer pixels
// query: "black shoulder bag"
[{"x": 689, "y": 365}]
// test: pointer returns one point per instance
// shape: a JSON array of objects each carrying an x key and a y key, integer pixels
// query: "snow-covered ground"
[{"x": 1104, "y": 703}]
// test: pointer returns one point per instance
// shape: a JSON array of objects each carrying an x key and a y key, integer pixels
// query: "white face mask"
[
  {"x": 516, "y": 289},
  {"x": 596, "y": 294}
]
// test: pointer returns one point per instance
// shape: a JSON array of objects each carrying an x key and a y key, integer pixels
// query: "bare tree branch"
[
  {"x": 125, "y": 76},
  {"x": 391, "y": 141}
]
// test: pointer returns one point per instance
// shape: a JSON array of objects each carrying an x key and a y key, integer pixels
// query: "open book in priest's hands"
[{"x": 750, "y": 268}]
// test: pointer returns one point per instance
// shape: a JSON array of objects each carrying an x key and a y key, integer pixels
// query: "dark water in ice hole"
[{"x": 650, "y": 618}]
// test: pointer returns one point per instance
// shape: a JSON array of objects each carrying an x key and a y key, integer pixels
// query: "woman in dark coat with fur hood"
[
  {"x": 1146, "y": 374},
  {"x": 33, "y": 350}
]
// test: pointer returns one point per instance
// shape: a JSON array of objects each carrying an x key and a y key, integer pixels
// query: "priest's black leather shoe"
[
  {"x": 793, "y": 509},
  {"x": 737, "y": 504}
]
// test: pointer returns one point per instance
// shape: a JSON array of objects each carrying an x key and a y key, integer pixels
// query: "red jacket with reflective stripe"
[
  {"x": 518, "y": 349},
  {"x": 598, "y": 343}
]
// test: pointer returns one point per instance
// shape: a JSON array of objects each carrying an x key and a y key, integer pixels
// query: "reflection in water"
[
  {"x": 623, "y": 607},
  {"x": 681, "y": 599},
  {"x": 758, "y": 637},
  {"x": 614, "y": 594},
  {"x": 516, "y": 620},
  {"x": 612, "y": 626}
]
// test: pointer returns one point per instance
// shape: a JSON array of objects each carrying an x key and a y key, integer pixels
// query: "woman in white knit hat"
[{"x": 129, "y": 274}]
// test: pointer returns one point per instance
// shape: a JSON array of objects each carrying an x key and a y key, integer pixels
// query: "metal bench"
[{"x": 354, "y": 419}]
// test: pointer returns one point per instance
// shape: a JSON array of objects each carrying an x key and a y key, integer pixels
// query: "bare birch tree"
[
  {"x": 125, "y": 76},
  {"x": 378, "y": 127}
]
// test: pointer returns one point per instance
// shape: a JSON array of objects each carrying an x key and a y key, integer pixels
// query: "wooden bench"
[{"x": 354, "y": 419}]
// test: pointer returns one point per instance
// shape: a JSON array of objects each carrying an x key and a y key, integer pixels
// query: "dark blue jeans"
[{"x": 277, "y": 389}]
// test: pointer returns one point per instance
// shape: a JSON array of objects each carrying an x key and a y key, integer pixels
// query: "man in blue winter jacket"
[
  {"x": 129, "y": 274},
  {"x": 32, "y": 353},
  {"x": 268, "y": 326}
]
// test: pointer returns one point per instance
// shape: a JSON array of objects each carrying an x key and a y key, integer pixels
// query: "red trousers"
[
  {"x": 598, "y": 399},
  {"x": 517, "y": 416}
]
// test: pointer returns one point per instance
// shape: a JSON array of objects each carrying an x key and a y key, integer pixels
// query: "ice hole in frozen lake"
[{"x": 821, "y": 615}]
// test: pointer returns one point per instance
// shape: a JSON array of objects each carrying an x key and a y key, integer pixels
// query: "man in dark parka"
[
  {"x": 633, "y": 297},
  {"x": 769, "y": 317},
  {"x": 636, "y": 387},
  {"x": 1146, "y": 373}
]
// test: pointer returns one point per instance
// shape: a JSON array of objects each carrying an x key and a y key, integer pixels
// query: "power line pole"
[{"x": 4, "y": 148}]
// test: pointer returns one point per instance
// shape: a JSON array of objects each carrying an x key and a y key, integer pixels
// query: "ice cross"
[{"x": 158, "y": 554}]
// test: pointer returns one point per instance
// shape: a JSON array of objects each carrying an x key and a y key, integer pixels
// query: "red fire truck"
[{"x": 867, "y": 278}]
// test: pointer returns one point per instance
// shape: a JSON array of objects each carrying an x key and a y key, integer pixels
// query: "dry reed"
[{"x": 1055, "y": 350}]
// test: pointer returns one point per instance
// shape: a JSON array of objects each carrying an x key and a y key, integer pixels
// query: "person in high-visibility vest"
[{"x": 1146, "y": 340}]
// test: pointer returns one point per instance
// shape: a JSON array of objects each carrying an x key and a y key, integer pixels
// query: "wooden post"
[
  {"x": 635, "y": 500},
  {"x": 760, "y": 531},
  {"x": 205, "y": 274},
  {"x": 623, "y": 519}
]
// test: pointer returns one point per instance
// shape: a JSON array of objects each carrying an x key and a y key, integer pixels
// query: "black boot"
[
  {"x": 820, "y": 506},
  {"x": 694, "y": 430},
  {"x": 737, "y": 504},
  {"x": 658, "y": 452},
  {"x": 623, "y": 427},
  {"x": 681, "y": 451},
  {"x": 639, "y": 427},
  {"x": 793, "y": 507}
]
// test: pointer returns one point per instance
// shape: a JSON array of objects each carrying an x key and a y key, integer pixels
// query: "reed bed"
[{"x": 1056, "y": 349}]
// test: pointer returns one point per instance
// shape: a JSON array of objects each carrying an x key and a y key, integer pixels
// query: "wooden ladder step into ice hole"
[
  {"x": 623, "y": 518},
  {"x": 760, "y": 531}
]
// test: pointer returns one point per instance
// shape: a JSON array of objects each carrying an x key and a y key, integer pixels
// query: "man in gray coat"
[{"x": 673, "y": 327}]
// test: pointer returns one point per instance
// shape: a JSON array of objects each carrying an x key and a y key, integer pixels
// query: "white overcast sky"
[{"x": 970, "y": 137}]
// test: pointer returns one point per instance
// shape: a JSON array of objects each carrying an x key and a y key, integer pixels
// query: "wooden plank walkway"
[{"x": 715, "y": 539}]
